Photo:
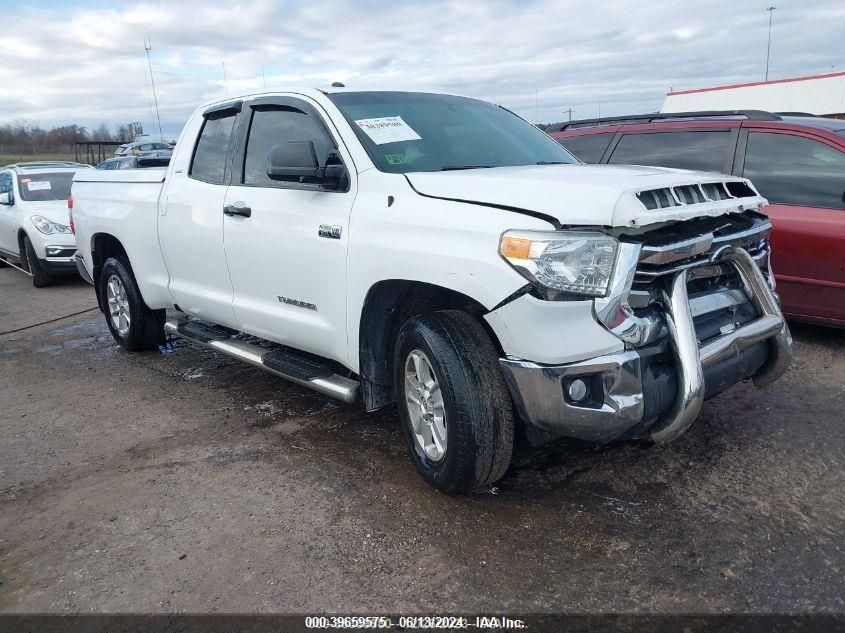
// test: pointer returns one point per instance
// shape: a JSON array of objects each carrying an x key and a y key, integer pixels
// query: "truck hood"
[{"x": 593, "y": 195}]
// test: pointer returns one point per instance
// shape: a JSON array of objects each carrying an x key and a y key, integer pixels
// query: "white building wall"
[{"x": 824, "y": 94}]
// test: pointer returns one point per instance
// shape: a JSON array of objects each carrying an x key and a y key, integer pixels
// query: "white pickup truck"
[{"x": 441, "y": 253}]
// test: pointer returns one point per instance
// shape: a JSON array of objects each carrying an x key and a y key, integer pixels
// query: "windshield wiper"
[
  {"x": 552, "y": 162},
  {"x": 456, "y": 167}
]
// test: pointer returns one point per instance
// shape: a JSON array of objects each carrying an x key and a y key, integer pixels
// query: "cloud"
[{"x": 85, "y": 63}]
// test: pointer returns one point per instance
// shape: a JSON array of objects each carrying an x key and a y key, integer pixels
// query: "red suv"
[{"x": 796, "y": 161}]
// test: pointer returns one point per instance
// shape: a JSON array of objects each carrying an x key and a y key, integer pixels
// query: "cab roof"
[{"x": 314, "y": 93}]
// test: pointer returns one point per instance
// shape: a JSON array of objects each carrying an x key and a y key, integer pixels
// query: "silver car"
[{"x": 140, "y": 148}]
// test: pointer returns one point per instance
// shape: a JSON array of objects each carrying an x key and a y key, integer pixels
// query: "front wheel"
[
  {"x": 130, "y": 321},
  {"x": 455, "y": 408}
]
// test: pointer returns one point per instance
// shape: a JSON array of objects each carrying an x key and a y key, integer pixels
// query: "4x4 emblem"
[{"x": 331, "y": 232}]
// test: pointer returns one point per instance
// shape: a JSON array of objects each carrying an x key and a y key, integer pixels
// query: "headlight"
[
  {"x": 569, "y": 261},
  {"x": 48, "y": 227}
]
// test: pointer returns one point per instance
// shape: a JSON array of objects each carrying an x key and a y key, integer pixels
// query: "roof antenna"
[
  {"x": 337, "y": 84},
  {"x": 148, "y": 46}
]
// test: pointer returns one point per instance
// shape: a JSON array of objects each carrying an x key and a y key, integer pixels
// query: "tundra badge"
[
  {"x": 297, "y": 303},
  {"x": 331, "y": 232}
]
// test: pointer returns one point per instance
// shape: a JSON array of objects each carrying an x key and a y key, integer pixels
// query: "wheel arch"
[
  {"x": 388, "y": 304},
  {"x": 22, "y": 234},
  {"x": 103, "y": 246}
]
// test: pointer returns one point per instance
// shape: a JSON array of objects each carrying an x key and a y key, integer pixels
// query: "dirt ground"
[{"x": 184, "y": 481}]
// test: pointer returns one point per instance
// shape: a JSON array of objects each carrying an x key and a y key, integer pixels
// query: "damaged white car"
[{"x": 442, "y": 254}]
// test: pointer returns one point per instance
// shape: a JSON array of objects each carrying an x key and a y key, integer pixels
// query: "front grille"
[{"x": 692, "y": 244}]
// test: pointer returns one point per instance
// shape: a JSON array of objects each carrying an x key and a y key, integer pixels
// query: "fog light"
[
  {"x": 54, "y": 251},
  {"x": 577, "y": 390}
]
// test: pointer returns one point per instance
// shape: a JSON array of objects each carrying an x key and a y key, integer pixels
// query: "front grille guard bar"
[{"x": 691, "y": 360}]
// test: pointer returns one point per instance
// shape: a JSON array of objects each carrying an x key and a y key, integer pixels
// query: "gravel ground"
[{"x": 184, "y": 481}]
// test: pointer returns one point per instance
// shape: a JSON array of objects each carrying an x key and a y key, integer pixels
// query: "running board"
[{"x": 284, "y": 363}]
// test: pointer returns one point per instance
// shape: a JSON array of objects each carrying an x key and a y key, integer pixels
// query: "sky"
[{"x": 84, "y": 62}]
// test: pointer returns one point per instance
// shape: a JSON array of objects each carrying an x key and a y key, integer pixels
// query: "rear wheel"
[
  {"x": 130, "y": 321},
  {"x": 30, "y": 263},
  {"x": 455, "y": 408}
]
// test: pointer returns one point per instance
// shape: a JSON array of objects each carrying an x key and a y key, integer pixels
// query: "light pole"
[{"x": 771, "y": 11}]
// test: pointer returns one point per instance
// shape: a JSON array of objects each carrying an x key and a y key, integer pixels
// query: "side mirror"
[
  {"x": 295, "y": 159},
  {"x": 298, "y": 160},
  {"x": 6, "y": 198}
]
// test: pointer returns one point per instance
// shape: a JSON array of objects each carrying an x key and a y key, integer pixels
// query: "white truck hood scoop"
[{"x": 603, "y": 195}]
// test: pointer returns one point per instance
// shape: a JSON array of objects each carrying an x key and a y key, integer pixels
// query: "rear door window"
[
  {"x": 699, "y": 150},
  {"x": 209, "y": 163},
  {"x": 789, "y": 169},
  {"x": 589, "y": 148}
]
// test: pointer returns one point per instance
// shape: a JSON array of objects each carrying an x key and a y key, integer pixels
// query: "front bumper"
[
  {"x": 55, "y": 251},
  {"x": 630, "y": 395}
]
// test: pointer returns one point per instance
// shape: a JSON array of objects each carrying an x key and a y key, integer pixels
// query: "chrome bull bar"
[{"x": 691, "y": 359}]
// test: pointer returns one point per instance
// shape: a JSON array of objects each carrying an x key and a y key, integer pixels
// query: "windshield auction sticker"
[
  {"x": 38, "y": 185},
  {"x": 388, "y": 129}
]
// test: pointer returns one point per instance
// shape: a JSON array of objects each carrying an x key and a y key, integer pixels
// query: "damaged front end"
[{"x": 693, "y": 301}]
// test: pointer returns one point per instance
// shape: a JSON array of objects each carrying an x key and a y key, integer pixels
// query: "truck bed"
[{"x": 123, "y": 203}]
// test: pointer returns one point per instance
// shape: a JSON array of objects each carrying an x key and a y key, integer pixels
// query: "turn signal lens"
[{"x": 515, "y": 247}]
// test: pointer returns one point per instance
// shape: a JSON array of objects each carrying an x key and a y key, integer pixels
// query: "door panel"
[
  {"x": 191, "y": 222},
  {"x": 290, "y": 283},
  {"x": 808, "y": 257},
  {"x": 191, "y": 233},
  {"x": 804, "y": 180},
  {"x": 289, "y": 277}
]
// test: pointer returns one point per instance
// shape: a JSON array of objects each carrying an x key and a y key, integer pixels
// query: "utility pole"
[
  {"x": 148, "y": 46},
  {"x": 263, "y": 78},
  {"x": 225, "y": 81},
  {"x": 569, "y": 112},
  {"x": 771, "y": 11}
]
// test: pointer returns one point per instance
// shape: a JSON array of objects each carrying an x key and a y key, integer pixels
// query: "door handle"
[{"x": 234, "y": 209}]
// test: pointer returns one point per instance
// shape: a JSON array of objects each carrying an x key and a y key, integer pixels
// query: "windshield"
[
  {"x": 43, "y": 187},
  {"x": 416, "y": 131}
]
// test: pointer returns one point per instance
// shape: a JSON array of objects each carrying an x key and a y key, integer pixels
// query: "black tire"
[
  {"x": 478, "y": 406},
  {"x": 30, "y": 262},
  {"x": 146, "y": 327}
]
